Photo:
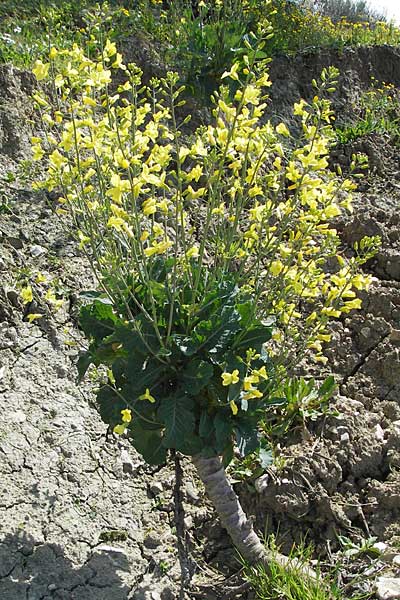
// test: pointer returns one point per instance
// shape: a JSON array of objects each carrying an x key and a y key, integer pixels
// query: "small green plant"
[
  {"x": 353, "y": 549},
  {"x": 378, "y": 111}
]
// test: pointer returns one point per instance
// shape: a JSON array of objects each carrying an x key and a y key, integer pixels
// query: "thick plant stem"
[{"x": 233, "y": 517}]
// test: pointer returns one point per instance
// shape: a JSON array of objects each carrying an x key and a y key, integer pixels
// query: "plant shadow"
[{"x": 31, "y": 570}]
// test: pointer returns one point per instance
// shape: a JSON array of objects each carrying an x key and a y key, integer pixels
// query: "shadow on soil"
[{"x": 30, "y": 570}]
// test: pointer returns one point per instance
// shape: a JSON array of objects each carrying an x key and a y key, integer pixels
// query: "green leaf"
[
  {"x": 206, "y": 426},
  {"x": 196, "y": 376},
  {"x": 265, "y": 457},
  {"x": 187, "y": 345},
  {"x": 97, "y": 320},
  {"x": 149, "y": 443},
  {"x": 255, "y": 337},
  {"x": 247, "y": 438},
  {"x": 147, "y": 374},
  {"x": 219, "y": 331},
  {"x": 177, "y": 415},
  {"x": 138, "y": 337},
  {"x": 83, "y": 363},
  {"x": 328, "y": 387},
  {"x": 95, "y": 295},
  {"x": 109, "y": 405},
  {"x": 223, "y": 432}
]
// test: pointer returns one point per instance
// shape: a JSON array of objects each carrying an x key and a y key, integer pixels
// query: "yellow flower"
[
  {"x": 147, "y": 396},
  {"x": 282, "y": 130},
  {"x": 230, "y": 378},
  {"x": 149, "y": 207},
  {"x": 233, "y": 73},
  {"x": 126, "y": 415},
  {"x": 41, "y": 70},
  {"x": 120, "y": 429},
  {"x": 252, "y": 394},
  {"x": 234, "y": 408},
  {"x": 193, "y": 252},
  {"x": 193, "y": 195},
  {"x": 57, "y": 160},
  {"x": 275, "y": 268},
  {"x": 249, "y": 380},
  {"x": 116, "y": 222},
  {"x": 37, "y": 152},
  {"x": 159, "y": 248},
  {"x": 33, "y": 316},
  {"x": 262, "y": 372},
  {"x": 27, "y": 294},
  {"x": 118, "y": 187}
]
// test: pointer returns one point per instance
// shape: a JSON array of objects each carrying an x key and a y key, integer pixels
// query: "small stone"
[
  {"x": 395, "y": 336},
  {"x": 13, "y": 298},
  {"x": 188, "y": 522},
  {"x": 127, "y": 463},
  {"x": 107, "y": 548},
  {"x": 396, "y": 560},
  {"x": 18, "y": 416},
  {"x": 156, "y": 488},
  {"x": 380, "y": 546},
  {"x": 155, "y": 596},
  {"x": 345, "y": 438},
  {"x": 261, "y": 483},
  {"x": 52, "y": 587},
  {"x": 379, "y": 433},
  {"x": 191, "y": 492},
  {"x": 387, "y": 588},
  {"x": 152, "y": 540},
  {"x": 15, "y": 242},
  {"x": 37, "y": 251}
]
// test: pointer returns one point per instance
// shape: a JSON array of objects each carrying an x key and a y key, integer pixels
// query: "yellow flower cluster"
[{"x": 235, "y": 195}]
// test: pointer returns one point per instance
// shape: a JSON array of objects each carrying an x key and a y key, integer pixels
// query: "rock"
[
  {"x": 396, "y": 560},
  {"x": 16, "y": 243},
  {"x": 156, "y": 488},
  {"x": 388, "y": 588},
  {"x": 106, "y": 548},
  {"x": 380, "y": 546},
  {"x": 127, "y": 463},
  {"x": 188, "y": 522},
  {"x": 191, "y": 492},
  {"x": 152, "y": 540},
  {"x": 379, "y": 433},
  {"x": 18, "y": 416},
  {"x": 37, "y": 251},
  {"x": 261, "y": 483},
  {"x": 395, "y": 336}
]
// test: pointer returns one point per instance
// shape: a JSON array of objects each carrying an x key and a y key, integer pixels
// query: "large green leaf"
[
  {"x": 206, "y": 426},
  {"x": 254, "y": 338},
  {"x": 196, "y": 376},
  {"x": 176, "y": 412},
  {"x": 223, "y": 432},
  {"x": 110, "y": 405},
  {"x": 84, "y": 361},
  {"x": 218, "y": 332},
  {"x": 148, "y": 375},
  {"x": 149, "y": 443},
  {"x": 247, "y": 438},
  {"x": 187, "y": 345},
  {"x": 97, "y": 320}
]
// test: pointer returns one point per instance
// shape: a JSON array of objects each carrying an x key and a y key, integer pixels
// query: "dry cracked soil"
[{"x": 82, "y": 516}]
